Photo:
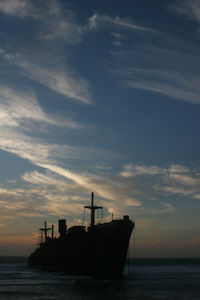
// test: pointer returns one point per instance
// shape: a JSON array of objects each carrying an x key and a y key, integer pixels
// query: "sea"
[{"x": 143, "y": 279}]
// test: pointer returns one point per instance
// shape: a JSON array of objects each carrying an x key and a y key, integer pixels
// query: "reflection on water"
[{"x": 147, "y": 279}]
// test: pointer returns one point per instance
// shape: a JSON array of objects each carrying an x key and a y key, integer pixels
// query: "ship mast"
[
  {"x": 93, "y": 207},
  {"x": 45, "y": 229}
]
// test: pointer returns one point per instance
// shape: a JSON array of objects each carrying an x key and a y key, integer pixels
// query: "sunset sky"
[{"x": 101, "y": 96}]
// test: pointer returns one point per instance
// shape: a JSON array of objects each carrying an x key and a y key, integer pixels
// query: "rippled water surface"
[{"x": 146, "y": 279}]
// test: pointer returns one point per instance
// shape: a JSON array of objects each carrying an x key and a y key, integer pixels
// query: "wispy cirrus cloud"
[
  {"x": 20, "y": 8},
  {"x": 131, "y": 170},
  {"x": 15, "y": 202},
  {"x": 47, "y": 156},
  {"x": 117, "y": 39},
  {"x": 53, "y": 24},
  {"x": 178, "y": 169},
  {"x": 48, "y": 179},
  {"x": 20, "y": 107},
  {"x": 176, "y": 190},
  {"x": 118, "y": 193},
  {"x": 57, "y": 200},
  {"x": 61, "y": 81},
  {"x": 98, "y": 20},
  {"x": 104, "y": 188},
  {"x": 115, "y": 198},
  {"x": 189, "y": 8},
  {"x": 185, "y": 179},
  {"x": 166, "y": 83},
  {"x": 161, "y": 71},
  {"x": 60, "y": 27},
  {"x": 158, "y": 62},
  {"x": 173, "y": 179}
]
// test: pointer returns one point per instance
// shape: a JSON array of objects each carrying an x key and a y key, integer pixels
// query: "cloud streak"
[
  {"x": 162, "y": 74},
  {"x": 18, "y": 108},
  {"x": 20, "y": 8},
  {"x": 53, "y": 22},
  {"x": 54, "y": 25},
  {"x": 189, "y": 8},
  {"x": 151, "y": 60},
  {"x": 13, "y": 140},
  {"x": 175, "y": 179},
  {"x": 61, "y": 81},
  {"x": 131, "y": 170},
  {"x": 98, "y": 20}
]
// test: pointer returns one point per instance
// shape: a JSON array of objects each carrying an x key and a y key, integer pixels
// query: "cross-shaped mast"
[
  {"x": 93, "y": 207},
  {"x": 45, "y": 229}
]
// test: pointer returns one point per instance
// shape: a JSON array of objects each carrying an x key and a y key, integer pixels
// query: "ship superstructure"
[{"x": 98, "y": 251}]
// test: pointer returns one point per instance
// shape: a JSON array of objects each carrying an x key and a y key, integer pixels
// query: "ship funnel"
[{"x": 62, "y": 227}]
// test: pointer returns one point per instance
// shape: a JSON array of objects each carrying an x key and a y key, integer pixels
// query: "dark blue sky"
[{"x": 101, "y": 96}]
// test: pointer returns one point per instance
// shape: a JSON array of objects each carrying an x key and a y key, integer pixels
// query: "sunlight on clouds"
[
  {"x": 44, "y": 58},
  {"x": 44, "y": 179},
  {"x": 104, "y": 187},
  {"x": 178, "y": 169},
  {"x": 19, "y": 107},
  {"x": 131, "y": 170},
  {"x": 181, "y": 191},
  {"x": 18, "y": 202},
  {"x": 83, "y": 180},
  {"x": 58, "y": 200},
  {"x": 16, "y": 106},
  {"x": 185, "y": 179},
  {"x": 63, "y": 194},
  {"x": 124, "y": 193},
  {"x": 176, "y": 179},
  {"x": 61, "y": 82},
  {"x": 62, "y": 205},
  {"x": 132, "y": 202},
  {"x": 24, "y": 146}
]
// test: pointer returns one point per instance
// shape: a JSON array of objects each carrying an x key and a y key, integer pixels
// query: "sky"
[{"x": 103, "y": 97}]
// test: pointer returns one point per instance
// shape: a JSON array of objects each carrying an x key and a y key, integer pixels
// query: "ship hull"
[{"x": 99, "y": 252}]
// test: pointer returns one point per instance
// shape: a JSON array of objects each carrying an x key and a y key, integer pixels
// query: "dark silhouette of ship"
[{"x": 98, "y": 251}]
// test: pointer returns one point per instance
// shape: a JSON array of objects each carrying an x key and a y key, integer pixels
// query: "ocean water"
[{"x": 143, "y": 279}]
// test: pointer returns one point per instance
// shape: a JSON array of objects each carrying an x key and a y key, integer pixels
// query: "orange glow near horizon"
[{"x": 17, "y": 245}]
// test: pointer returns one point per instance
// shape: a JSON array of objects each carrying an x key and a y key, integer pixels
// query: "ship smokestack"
[
  {"x": 62, "y": 227},
  {"x": 52, "y": 231},
  {"x": 126, "y": 218}
]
